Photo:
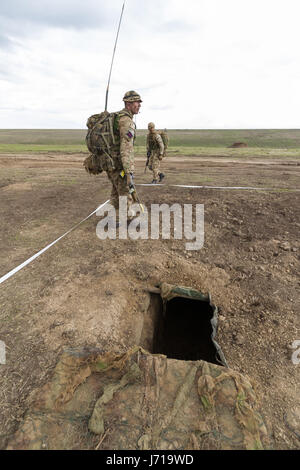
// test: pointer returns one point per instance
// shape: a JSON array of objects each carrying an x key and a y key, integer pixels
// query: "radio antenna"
[{"x": 106, "y": 97}]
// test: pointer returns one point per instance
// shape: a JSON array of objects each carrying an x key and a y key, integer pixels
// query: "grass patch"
[
  {"x": 45, "y": 148},
  {"x": 43, "y": 136},
  {"x": 266, "y": 143},
  {"x": 260, "y": 138}
]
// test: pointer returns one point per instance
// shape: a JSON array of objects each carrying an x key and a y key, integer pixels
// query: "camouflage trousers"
[
  {"x": 119, "y": 188},
  {"x": 154, "y": 165}
]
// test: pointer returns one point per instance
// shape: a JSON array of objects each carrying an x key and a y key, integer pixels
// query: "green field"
[{"x": 188, "y": 142}]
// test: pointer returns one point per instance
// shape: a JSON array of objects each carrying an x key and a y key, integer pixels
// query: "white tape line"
[
  {"x": 15, "y": 270},
  {"x": 206, "y": 187},
  {"x": 218, "y": 187}
]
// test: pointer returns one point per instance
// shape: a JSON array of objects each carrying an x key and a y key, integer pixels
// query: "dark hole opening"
[{"x": 184, "y": 332}]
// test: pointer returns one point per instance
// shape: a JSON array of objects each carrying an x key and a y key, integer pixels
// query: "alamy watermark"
[
  {"x": 2, "y": 353},
  {"x": 296, "y": 353},
  {"x": 153, "y": 224}
]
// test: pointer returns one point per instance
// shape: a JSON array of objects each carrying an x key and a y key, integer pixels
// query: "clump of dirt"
[{"x": 238, "y": 145}]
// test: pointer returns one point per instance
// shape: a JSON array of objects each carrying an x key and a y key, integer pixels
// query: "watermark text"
[
  {"x": 296, "y": 353},
  {"x": 140, "y": 224},
  {"x": 2, "y": 353}
]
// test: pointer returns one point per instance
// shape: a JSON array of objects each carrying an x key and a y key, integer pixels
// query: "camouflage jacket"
[
  {"x": 125, "y": 129},
  {"x": 155, "y": 143}
]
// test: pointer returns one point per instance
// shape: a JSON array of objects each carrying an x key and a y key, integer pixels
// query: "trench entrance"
[{"x": 184, "y": 332}]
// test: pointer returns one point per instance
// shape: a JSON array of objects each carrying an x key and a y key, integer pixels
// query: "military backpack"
[
  {"x": 165, "y": 139},
  {"x": 103, "y": 142}
]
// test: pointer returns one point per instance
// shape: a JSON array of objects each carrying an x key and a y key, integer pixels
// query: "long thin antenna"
[{"x": 106, "y": 98}]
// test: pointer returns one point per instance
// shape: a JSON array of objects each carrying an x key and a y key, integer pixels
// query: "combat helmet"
[
  {"x": 131, "y": 96},
  {"x": 151, "y": 125}
]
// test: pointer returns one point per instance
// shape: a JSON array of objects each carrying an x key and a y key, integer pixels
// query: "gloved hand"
[
  {"x": 148, "y": 153},
  {"x": 130, "y": 183},
  {"x": 127, "y": 173}
]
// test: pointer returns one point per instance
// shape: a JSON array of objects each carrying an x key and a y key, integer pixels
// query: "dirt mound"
[
  {"x": 142, "y": 401},
  {"x": 238, "y": 145}
]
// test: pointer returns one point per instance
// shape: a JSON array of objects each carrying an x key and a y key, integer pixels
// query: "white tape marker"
[
  {"x": 205, "y": 187},
  {"x": 249, "y": 188},
  {"x": 15, "y": 270}
]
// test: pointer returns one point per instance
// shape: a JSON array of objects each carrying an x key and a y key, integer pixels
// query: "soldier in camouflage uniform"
[
  {"x": 155, "y": 149},
  {"x": 122, "y": 153}
]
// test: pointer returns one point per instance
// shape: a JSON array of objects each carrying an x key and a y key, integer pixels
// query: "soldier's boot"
[
  {"x": 154, "y": 182},
  {"x": 161, "y": 177}
]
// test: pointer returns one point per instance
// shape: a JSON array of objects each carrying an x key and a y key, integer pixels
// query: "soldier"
[
  {"x": 155, "y": 150},
  {"x": 122, "y": 152}
]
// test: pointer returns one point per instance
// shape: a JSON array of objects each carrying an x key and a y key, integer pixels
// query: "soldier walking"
[
  {"x": 122, "y": 152},
  {"x": 155, "y": 152}
]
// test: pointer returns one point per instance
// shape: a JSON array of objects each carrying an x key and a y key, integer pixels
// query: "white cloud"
[{"x": 197, "y": 64}]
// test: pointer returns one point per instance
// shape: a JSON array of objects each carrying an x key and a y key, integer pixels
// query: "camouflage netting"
[{"x": 138, "y": 400}]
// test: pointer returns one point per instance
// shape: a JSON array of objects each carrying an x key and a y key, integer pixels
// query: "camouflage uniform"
[
  {"x": 155, "y": 147},
  {"x": 123, "y": 156}
]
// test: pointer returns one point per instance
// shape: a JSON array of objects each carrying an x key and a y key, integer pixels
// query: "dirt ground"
[{"x": 90, "y": 292}]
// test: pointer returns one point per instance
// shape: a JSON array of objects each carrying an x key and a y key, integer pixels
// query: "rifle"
[
  {"x": 148, "y": 158},
  {"x": 134, "y": 194}
]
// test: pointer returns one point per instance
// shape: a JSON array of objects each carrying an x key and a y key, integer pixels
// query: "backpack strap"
[
  {"x": 118, "y": 115},
  {"x": 124, "y": 112},
  {"x": 111, "y": 127}
]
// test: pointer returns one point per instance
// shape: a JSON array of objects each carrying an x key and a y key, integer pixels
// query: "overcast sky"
[{"x": 203, "y": 64}]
